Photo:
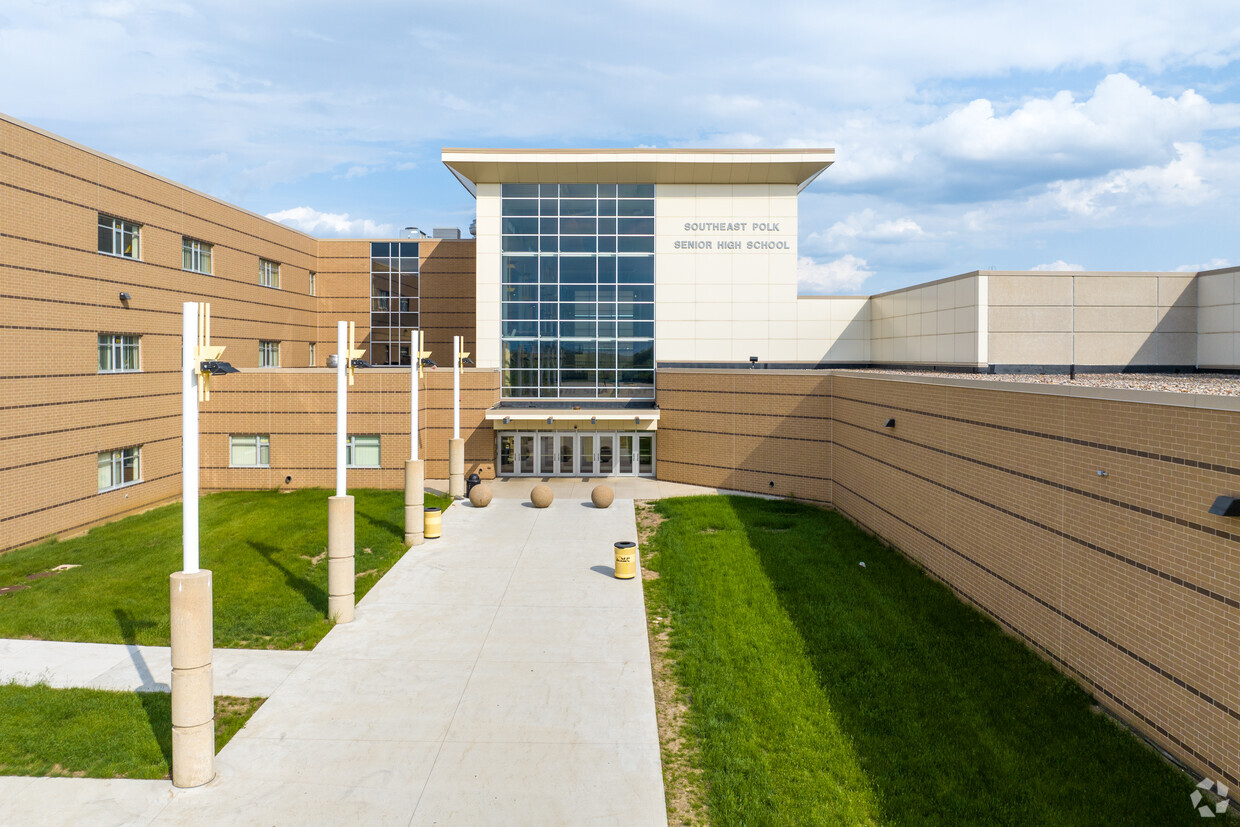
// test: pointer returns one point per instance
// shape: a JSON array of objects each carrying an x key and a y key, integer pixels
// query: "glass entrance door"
[{"x": 569, "y": 453}]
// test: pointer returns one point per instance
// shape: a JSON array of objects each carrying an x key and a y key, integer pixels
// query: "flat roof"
[{"x": 636, "y": 166}]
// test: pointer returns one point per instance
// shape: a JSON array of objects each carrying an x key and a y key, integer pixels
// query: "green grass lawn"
[
  {"x": 266, "y": 551},
  {"x": 822, "y": 692},
  {"x": 98, "y": 734}
]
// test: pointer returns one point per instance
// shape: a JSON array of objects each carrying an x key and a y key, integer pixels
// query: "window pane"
[
  {"x": 578, "y": 190},
  {"x": 635, "y": 190},
  {"x": 264, "y": 450},
  {"x": 519, "y": 226},
  {"x": 578, "y": 244},
  {"x": 519, "y": 190},
  {"x": 105, "y": 471},
  {"x": 635, "y": 244},
  {"x": 635, "y": 208},
  {"x": 635, "y": 269},
  {"x": 520, "y": 244},
  {"x": 366, "y": 451},
  {"x": 521, "y": 269},
  {"x": 519, "y": 206},
  {"x": 242, "y": 451},
  {"x": 105, "y": 237},
  {"x": 581, "y": 207}
]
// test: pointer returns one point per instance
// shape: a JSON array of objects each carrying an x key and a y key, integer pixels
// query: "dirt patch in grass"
[{"x": 683, "y": 784}]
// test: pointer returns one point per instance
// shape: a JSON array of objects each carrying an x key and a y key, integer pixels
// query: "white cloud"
[
  {"x": 332, "y": 225},
  {"x": 1179, "y": 183},
  {"x": 1122, "y": 119},
  {"x": 1057, "y": 266},
  {"x": 847, "y": 273},
  {"x": 1212, "y": 264},
  {"x": 866, "y": 226}
]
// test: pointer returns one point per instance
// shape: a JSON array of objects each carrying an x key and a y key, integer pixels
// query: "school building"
[{"x": 635, "y": 312}]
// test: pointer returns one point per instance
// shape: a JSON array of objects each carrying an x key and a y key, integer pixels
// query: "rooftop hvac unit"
[{"x": 446, "y": 232}]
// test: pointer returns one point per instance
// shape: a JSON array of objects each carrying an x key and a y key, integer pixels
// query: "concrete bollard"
[
  {"x": 193, "y": 690},
  {"x": 340, "y": 547},
  {"x": 415, "y": 498},
  {"x": 456, "y": 467}
]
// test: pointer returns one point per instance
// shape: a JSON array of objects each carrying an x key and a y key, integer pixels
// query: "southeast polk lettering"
[{"x": 727, "y": 243}]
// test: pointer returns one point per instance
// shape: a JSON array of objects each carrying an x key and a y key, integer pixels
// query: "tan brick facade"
[{"x": 1122, "y": 580}]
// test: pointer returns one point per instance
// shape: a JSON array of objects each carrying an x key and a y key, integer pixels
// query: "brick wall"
[
  {"x": 297, "y": 410},
  {"x": 1123, "y": 581},
  {"x": 58, "y": 293}
]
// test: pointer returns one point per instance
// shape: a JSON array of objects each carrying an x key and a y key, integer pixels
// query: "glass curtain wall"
[
  {"x": 578, "y": 291},
  {"x": 394, "y": 300}
]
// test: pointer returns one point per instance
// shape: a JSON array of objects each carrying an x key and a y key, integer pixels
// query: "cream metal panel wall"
[
  {"x": 833, "y": 329},
  {"x": 1094, "y": 319},
  {"x": 942, "y": 322},
  {"x": 725, "y": 305},
  {"x": 1218, "y": 318},
  {"x": 489, "y": 278}
]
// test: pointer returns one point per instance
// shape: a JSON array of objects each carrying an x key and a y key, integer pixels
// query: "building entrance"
[{"x": 575, "y": 454}]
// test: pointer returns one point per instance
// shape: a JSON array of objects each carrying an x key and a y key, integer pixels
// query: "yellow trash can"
[
  {"x": 626, "y": 560},
  {"x": 433, "y": 523}
]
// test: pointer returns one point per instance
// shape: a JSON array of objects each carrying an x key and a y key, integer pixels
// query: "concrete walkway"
[
  {"x": 499, "y": 675},
  {"x": 245, "y": 673}
]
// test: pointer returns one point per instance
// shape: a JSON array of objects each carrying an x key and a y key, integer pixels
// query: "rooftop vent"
[{"x": 446, "y": 232}]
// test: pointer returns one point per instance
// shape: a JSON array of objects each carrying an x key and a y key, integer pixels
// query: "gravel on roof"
[{"x": 1217, "y": 384}]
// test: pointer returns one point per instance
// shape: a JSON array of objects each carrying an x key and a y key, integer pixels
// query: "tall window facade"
[
  {"x": 118, "y": 237},
  {"x": 578, "y": 291},
  {"x": 195, "y": 256},
  {"x": 394, "y": 300},
  {"x": 119, "y": 353}
]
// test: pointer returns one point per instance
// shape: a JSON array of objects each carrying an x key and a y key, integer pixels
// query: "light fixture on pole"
[
  {"x": 415, "y": 469},
  {"x": 193, "y": 695},
  {"x": 340, "y": 531},
  {"x": 456, "y": 446}
]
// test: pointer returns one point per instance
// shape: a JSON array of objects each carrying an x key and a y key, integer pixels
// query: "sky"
[{"x": 1093, "y": 134}]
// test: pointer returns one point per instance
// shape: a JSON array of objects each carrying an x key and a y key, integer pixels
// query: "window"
[
  {"x": 196, "y": 256},
  {"x": 249, "y": 451},
  {"x": 312, "y": 290},
  {"x": 119, "y": 468},
  {"x": 118, "y": 237},
  {"x": 393, "y": 300},
  {"x": 312, "y": 354},
  {"x": 268, "y": 273},
  {"x": 269, "y": 354},
  {"x": 578, "y": 291},
  {"x": 362, "y": 451},
  {"x": 118, "y": 353}
]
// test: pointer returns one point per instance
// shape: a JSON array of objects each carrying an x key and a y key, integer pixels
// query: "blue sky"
[{"x": 1099, "y": 135}]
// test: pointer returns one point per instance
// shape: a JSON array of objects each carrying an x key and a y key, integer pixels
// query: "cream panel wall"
[
  {"x": 939, "y": 323},
  {"x": 725, "y": 272},
  {"x": 1218, "y": 318},
  {"x": 1093, "y": 319},
  {"x": 833, "y": 329},
  {"x": 489, "y": 277}
]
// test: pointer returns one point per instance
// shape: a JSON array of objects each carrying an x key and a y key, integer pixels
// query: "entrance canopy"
[{"x": 561, "y": 418}]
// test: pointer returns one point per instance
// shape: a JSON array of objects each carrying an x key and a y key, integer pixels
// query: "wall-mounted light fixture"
[
  {"x": 890, "y": 423},
  {"x": 125, "y": 297},
  {"x": 594, "y": 420},
  {"x": 507, "y": 419},
  {"x": 216, "y": 368},
  {"x": 1102, "y": 473},
  {"x": 550, "y": 419},
  {"x": 1225, "y": 506},
  {"x": 753, "y": 361},
  {"x": 428, "y": 363},
  {"x": 637, "y": 420}
]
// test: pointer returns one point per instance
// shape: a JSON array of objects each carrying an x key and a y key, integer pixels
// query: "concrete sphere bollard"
[
  {"x": 541, "y": 496},
  {"x": 480, "y": 495},
  {"x": 602, "y": 496}
]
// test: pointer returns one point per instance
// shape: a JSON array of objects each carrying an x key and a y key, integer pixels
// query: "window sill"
[
  {"x": 196, "y": 272},
  {"x": 119, "y": 487},
  {"x": 119, "y": 255},
  {"x": 268, "y": 467},
  {"x": 114, "y": 372}
]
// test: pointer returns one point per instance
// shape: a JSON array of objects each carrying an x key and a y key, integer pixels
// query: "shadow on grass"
[
  {"x": 313, "y": 594},
  {"x": 375, "y": 520},
  {"x": 954, "y": 721},
  {"x": 154, "y": 697}
]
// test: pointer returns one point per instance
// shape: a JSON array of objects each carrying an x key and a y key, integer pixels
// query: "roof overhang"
[
  {"x": 636, "y": 166},
  {"x": 502, "y": 418}
]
